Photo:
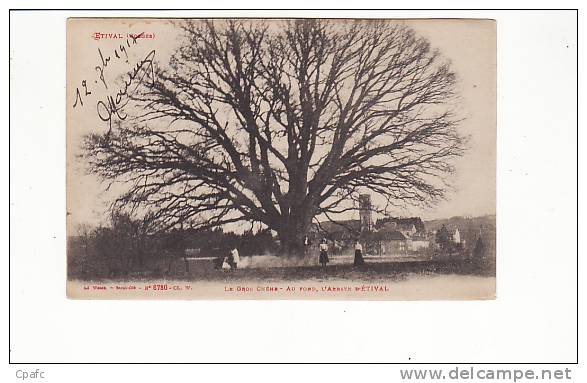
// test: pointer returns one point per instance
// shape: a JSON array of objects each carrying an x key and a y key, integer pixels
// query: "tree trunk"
[
  {"x": 292, "y": 244},
  {"x": 293, "y": 232}
]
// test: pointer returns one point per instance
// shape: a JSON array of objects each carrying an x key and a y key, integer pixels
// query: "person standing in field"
[
  {"x": 234, "y": 258},
  {"x": 358, "y": 254},
  {"x": 323, "y": 253},
  {"x": 225, "y": 264}
]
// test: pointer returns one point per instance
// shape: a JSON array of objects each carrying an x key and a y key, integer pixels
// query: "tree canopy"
[{"x": 279, "y": 123}]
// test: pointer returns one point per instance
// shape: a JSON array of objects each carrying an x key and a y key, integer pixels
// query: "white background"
[{"x": 533, "y": 319}]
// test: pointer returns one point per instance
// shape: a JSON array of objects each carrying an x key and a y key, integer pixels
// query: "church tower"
[{"x": 365, "y": 212}]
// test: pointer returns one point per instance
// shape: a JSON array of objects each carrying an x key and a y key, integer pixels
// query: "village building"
[
  {"x": 386, "y": 236},
  {"x": 419, "y": 242}
]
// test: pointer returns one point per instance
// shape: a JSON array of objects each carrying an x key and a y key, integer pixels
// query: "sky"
[{"x": 470, "y": 45}]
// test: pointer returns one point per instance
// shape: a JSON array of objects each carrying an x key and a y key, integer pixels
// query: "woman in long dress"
[
  {"x": 323, "y": 253},
  {"x": 234, "y": 258},
  {"x": 358, "y": 254}
]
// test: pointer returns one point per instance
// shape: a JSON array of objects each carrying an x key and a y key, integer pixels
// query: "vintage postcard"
[{"x": 281, "y": 159}]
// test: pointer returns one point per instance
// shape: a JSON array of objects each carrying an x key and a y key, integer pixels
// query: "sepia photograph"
[
  {"x": 281, "y": 194},
  {"x": 306, "y": 158}
]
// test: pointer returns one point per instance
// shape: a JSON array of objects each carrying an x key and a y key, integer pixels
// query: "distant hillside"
[{"x": 461, "y": 222}]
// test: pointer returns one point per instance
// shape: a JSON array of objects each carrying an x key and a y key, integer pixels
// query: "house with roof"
[
  {"x": 388, "y": 241},
  {"x": 419, "y": 242},
  {"x": 407, "y": 226},
  {"x": 412, "y": 230}
]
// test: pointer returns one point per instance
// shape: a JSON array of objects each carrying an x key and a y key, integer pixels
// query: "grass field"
[
  {"x": 371, "y": 271},
  {"x": 340, "y": 268}
]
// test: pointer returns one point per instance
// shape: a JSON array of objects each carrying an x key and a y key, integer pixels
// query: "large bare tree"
[{"x": 279, "y": 123}]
